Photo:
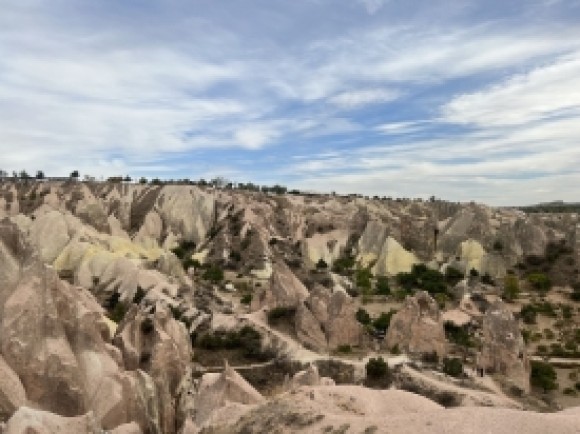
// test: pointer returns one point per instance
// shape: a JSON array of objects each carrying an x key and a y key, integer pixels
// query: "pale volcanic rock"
[
  {"x": 503, "y": 347},
  {"x": 12, "y": 394},
  {"x": 394, "y": 259},
  {"x": 55, "y": 338},
  {"x": 285, "y": 290},
  {"x": 49, "y": 234},
  {"x": 308, "y": 329},
  {"x": 327, "y": 320},
  {"x": 418, "y": 326},
  {"x": 127, "y": 428},
  {"x": 188, "y": 211},
  {"x": 30, "y": 421},
  {"x": 327, "y": 246},
  {"x": 159, "y": 345},
  {"x": 310, "y": 377},
  {"x": 215, "y": 390},
  {"x": 473, "y": 253},
  {"x": 342, "y": 328}
]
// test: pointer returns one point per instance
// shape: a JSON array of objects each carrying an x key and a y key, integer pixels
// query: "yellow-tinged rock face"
[
  {"x": 473, "y": 253},
  {"x": 394, "y": 259}
]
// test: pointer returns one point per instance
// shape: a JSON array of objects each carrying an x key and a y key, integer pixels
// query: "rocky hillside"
[{"x": 119, "y": 303}]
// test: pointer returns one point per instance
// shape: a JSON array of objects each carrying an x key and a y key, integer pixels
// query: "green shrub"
[
  {"x": 511, "y": 288},
  {"x": 577, "y": 385},
  {"x": 363, "y": 279},
  {"x": 118, "y": 313},
  {"x": 363, "y": 316},
  {"x": 376, "y": 368},
  {"x": 453, "y": 275},
  {"x": 382, "y": 286},
  {"x": 246, "y": 299},
  {"x": 540, "y": 282},
  {"x": 321, "y": 264},
  {"x": 497, "y": 246},
  {"x": 342, "y": 265},
  {"x": 384, "y": 320},
  {"x": 214, "y": 274},
  {"x": 457, "y": 335},
  {"x": 543, "y": 375},
  {"x": 344, "y": 349},
  {"x": 452, "y": 366},
  {"x": 528, "y": 314}
]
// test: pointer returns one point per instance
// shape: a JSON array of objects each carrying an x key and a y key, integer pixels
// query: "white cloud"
[
  {"x": 254, "y": 137},
  {"x": 547, "y": 91},
  {"x": 363, "y": 97}
]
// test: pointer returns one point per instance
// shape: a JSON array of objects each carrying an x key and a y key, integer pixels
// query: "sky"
[{"x": 463, "y": 100}]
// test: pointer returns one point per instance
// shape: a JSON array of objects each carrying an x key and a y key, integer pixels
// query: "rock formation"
[
  {"x": 503, "y": 348},
  {"x": 417, "y": 327}
]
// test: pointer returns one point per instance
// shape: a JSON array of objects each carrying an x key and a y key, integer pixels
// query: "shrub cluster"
[{"x": 246, "y": 339}]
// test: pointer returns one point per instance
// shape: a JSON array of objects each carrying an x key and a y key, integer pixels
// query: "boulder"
[
  {"x": 159, "y": 345},
  {"x": 503, "y": 348},
  {"x": 285, "y": 290},
  {"x": 417, "y": 327},
  {"x": 30, "y": 421},
  {"x": 12, "y": 394},
  {"x": 215, "y": 390}
]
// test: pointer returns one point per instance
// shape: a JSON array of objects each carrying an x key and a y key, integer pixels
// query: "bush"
[
  {"x": 363, "y": 279},
  {"x": 453, "y": 275},
  {"x": 511, "y": 288},
  {"x": 384, "y": 320},
  {"x": 498, "y": 246},
  {"x": 344, "y": 349},
  {"x": 540, "y": 282},
  {"x": 457, "y": 335},
  {"x": 382, "y": 286},
  {"x": 528, "y": 314},
  {"x": 342, "y": 265},
  {"x": 246, "y": 339},
  {"x": 376, "y": 368},
  {"x": 246, "y": 299},
  {"x": 543, "y": 375},
  {"x": 214, "y": 274},
  {"x": 452, "y": 367},
  {"x": 321, "y": 264},
  {"x": 363, "y": 316}
]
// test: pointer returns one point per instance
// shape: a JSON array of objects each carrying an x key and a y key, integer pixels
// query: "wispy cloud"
[{"x": 453, "y": 99}]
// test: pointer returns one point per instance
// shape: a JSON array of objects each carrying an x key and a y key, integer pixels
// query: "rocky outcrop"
[
  {"x": 417, "y": 328},
  {"x": 503, "y": 348},
  {"x": 187, "y": 211},
  {"x": 285, "y": 290},
  {"x": 310, "y": 377},
  {"x": 12, "y": 394},
  {"x": 327, "y": 320},
  {"x": 215, "y": 390},
  {"x": 327, "y": 247},
  {"x": 159, "y": 345},
  {"x": 27, "y": 421},
  {"x": 56, "y": 340}
]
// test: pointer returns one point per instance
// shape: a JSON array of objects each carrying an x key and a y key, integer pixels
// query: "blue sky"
[{"x": 464, "y": 100}]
